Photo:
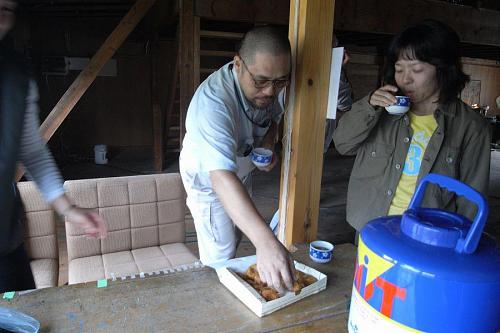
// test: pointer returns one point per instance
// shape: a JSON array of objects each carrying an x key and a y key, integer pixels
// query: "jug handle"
[{"x": 469, "y": 243}]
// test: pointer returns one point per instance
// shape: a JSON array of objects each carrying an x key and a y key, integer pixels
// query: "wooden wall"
[
  {"x": 363, "y": 70},
  {"x": 474, "y": 25},
  {"x": 477, "y": 26},
  {"x": 488, "y": 73},
  {"x": 115, "y": 110}
]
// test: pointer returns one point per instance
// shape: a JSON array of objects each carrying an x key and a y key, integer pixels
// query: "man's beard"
[{"x": 269, "y": 101}]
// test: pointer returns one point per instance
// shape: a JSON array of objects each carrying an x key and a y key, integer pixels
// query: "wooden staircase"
[{"x": 212, "y": 48}]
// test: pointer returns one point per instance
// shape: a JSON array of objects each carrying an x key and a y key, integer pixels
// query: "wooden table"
[{"x": 188, "y": 301}]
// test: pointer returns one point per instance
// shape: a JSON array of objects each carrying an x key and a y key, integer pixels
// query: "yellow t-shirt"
[{"x": 423, "y": 127}]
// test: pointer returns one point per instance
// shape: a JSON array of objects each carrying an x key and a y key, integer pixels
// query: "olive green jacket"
[{"x": 459, "y": 148}]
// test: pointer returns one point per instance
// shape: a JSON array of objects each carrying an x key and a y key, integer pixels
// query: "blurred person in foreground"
[{"x": 20, "y": 140}]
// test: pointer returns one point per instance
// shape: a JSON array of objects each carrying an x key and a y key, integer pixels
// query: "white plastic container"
[
  {"x": 251, "y": 298},
  {"x": 100, "y": 152}
]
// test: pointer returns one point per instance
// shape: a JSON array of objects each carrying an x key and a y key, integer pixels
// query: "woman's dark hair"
[{"x": 433, "y": 42}]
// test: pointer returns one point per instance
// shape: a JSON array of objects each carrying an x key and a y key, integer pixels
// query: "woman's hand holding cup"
[{"x": 384, "y": 96}]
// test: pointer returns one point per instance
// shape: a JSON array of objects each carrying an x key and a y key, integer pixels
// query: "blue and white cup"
[
  {"x": 262, "y": 157},
  {"x": 321, "y": 251},
  {"x": 401, "y": 107}
]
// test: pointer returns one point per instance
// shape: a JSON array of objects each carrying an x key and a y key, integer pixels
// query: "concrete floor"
[{"x": 332, "y": 226}]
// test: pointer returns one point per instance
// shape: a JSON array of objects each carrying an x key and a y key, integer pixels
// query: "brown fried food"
[
  {"x": 269, "y": 293},
  {"x": 304, "y": 279},
  {"x": 251, "y": 276},
  {"x": 308, "y": 280},
  {"x": 297, "y": 287}
]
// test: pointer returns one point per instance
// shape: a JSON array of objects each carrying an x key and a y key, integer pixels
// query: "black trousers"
[{"x": 15, "y": 271}]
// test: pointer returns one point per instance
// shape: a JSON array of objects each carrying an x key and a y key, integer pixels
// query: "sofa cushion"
[
  {"x": 85, "y": 269},
  {"x": 126, "y": 263},
  {"x": 140, "y": 211},
  {"x": 45, "y": 272},
  {"x": 40, "y": 236}
]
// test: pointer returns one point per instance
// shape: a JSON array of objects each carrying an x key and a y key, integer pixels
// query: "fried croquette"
[{"x": 252, "y": 277}]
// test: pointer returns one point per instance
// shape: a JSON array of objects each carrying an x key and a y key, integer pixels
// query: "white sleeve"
[{"x": 35, "y": 156}]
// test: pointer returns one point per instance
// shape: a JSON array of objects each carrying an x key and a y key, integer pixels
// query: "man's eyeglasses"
[{"x": 264, "y": 83}]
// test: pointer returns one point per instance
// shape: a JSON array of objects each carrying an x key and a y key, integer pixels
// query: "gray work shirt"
[{"x": 219, "y": 128}]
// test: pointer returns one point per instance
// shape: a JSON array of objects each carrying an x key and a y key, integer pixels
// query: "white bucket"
[{"x": 100, "y": 152}]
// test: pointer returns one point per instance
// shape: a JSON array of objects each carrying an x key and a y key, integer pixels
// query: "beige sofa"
[
  {"x": 40, "y": 236},
  {"x": 146, "y": 228}
]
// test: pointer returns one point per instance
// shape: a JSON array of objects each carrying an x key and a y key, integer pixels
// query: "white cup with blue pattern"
[
  {"x": 321, "y": 251},
  {"x": 262, "y": 157},
  {"x": 401, "y": 107}
]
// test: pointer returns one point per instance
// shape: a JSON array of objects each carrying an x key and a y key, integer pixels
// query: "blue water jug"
[{"x": 428, "y": 270}]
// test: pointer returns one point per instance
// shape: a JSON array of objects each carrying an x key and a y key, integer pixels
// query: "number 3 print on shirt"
[{"x": 413, "y": 160}]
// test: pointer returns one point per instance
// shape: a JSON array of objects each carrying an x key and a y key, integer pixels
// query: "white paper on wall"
[{"x": 333, "y": 91}]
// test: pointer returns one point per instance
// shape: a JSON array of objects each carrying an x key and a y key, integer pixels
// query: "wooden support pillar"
[
  {"x": 88, "y": 75},
  {"x": 173, "y": 91},
  {"x": 196, "y": 53},
  {"x": 158, "y": 141},
  {"x": 187, "y": 25},
  {"x": 310, "y": 34}
]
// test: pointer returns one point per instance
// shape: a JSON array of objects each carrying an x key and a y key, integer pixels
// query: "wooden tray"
[{"x": 252, "y": 299}]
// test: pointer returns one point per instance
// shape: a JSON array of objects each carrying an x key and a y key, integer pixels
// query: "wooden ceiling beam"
[
  {"x": 477, "y": 26},
  {"x": 257, "y": 11}
]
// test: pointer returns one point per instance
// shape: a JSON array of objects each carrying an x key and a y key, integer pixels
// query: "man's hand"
[
  {"x": 274, "y": 263},
  {"x": 384, "y": 96},
  {"x": 92, "y": 223},
  {"x": 275, "y": 266}
]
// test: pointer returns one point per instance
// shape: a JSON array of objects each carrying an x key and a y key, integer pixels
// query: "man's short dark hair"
[
  {"x": 268, "y": 39},
  {"x": 433, "y": 42}
]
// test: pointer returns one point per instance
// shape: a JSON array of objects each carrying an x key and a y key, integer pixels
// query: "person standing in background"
[{"x": 344, "y": 101}]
